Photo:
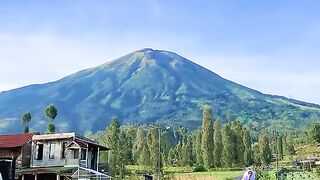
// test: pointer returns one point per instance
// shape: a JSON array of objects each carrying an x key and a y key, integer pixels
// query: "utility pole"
[
  {"x": 277, "y": 150},
  {"x": 159, "y": 150},
  {"x": 159, "y": 154}
]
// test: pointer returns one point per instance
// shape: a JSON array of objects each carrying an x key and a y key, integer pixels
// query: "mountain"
[{"x": 146, "y": 86}]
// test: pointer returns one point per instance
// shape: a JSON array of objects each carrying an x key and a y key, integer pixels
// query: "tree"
[
  {"x": 217, "y": 144},
  {"x": 280, "y": 147},
  {"x": 51, "y": 113},
  {"x": 153, "y": 146},
  {"x": 112, "y": 137},
  {"x": 256, "y": 154},
  {"x": 229, "y": 117},
  {"x": 172, "y": 157},
  {"x": 284, "y": 142},
  {"x": 165, "y": 146},
  {"x": 184, "y": 151},
  {"x": 125, "y": 152},
  {"x": 290, "y": 145},
  {"x": 228, "y": 143},
  {"x": 141, "y": 153},
  {"x": 247, "y": 154},
  {"x": 197, "y": 146},
  {"x": 26, "y": 118},
  {"x": 315, "y": 132},
  {"x": 207, "y": 138},
  {"x": 264, "y": 149},
  {"x": 188, "y": 150},
  {"x": 238, "y": 143}
]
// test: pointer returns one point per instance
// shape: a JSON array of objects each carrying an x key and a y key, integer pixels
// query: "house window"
[
  {"x": 63, "y": 150},
  {"x": 75, "y": 153},
  {"x": 83, "y": 154},
  {"x": 51, "y": 150},
  {"x": 39, "y": 152}
]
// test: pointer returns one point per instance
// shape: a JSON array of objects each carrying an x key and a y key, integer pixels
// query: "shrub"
[
  {"x": 199, "y": 168},
  {"x": 318, "y": 171}
]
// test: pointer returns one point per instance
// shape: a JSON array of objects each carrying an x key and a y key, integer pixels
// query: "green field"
[
  {"x": 223, "y": 175},
  {"x": 185, "y": 173}
]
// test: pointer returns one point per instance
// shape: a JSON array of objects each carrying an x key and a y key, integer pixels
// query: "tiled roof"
[{"x": 15, "y": 140}]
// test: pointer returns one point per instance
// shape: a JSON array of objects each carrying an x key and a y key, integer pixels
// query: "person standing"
[{"x": 249, "y": 175}]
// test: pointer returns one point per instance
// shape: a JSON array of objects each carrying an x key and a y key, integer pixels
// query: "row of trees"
[
  {"x": 213, "y": 145},
  {"x": 51, "y": 114}
]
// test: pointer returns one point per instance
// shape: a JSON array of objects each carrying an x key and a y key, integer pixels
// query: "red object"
[{"x": 15, "y": 140}]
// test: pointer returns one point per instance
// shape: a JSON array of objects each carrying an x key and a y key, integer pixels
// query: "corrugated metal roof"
[
  {"x": 53, "y": 136},
  {"x": 15, "y": 140}
]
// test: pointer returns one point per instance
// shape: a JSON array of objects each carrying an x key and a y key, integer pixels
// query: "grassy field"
[
  {"x": 185, "y": 173},
  {"x": 209, "y": 175}
]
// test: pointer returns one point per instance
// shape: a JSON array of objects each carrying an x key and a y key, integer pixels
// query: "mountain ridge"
[{"x": 146, "y": 86}]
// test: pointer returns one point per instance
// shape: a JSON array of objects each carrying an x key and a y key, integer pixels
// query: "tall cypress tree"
[
  {"x": 256, "y": 154},
  {"x": 198, "y": 147},
  {"x": 217, "y": 144},
  {"x": 228, "y": 146},
  {"x": 193, "y": 140},
  {"x": 284, "y": 144},
  {"x": 125, "y": 152},
  {"x": 207, "y": 138},
  {"x": 264, "y": 148},
  {"x": 247, "y": 154},
  {"x": 179, "y": 154},
  {"x": 184, "y": 148},
  {"x": 290, "y": 145},
  {"x": 172, "y": 157},
  {"x": 165, "y": 147},
  {"x": 191, "y": 158},
  {"x": 280, "y": 147},
  {"x": 186, "y": 153},
  {"x": 112, "y": 141},
  {"x": 140, "y": 150},
  {"x": 238, "y": 143},
  {"x": 130, "y": 133},
  {"x": 152, "y": 141}
]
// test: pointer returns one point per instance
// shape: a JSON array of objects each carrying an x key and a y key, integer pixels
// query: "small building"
[
  {"x": 53, "y": 156},
  {"x": 17, "y": 146}
]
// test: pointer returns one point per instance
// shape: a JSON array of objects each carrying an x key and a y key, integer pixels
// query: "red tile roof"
[{"x": 15, "y": 140}]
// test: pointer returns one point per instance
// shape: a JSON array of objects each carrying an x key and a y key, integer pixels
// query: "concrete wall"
[
  {"x": 46, "y": 161},
  {"x": 69, "y": 160}
]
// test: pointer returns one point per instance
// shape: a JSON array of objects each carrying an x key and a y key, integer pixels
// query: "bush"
[
  {"x": 306, "y": 167},
  {"x": 199, "y": 168},
  {"x": 225, "y": 169},
  {"x": 264, "y": 176},
  {"x": 318, "y": 171}
]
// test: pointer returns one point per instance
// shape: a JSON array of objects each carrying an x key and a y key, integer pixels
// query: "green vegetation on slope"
[{"x": 147, "y": 86}]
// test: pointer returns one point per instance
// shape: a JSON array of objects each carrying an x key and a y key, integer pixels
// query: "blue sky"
[{"x": 271, "y": 46}]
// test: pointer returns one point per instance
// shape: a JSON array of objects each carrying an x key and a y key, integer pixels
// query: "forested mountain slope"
[{"x": 146, "y": 86}]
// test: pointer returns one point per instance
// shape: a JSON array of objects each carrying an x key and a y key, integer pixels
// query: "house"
[
  {"x": 7, "y": 168},
  {"x": 17, "y": 146},
  {"x": 53, "y": 156}
]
